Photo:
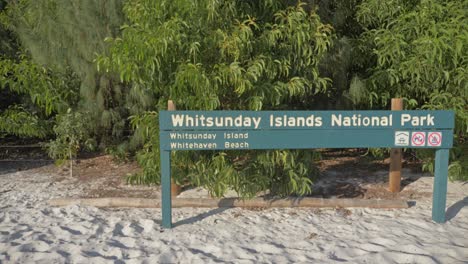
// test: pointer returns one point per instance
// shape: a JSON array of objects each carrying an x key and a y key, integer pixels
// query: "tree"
[
  {"x": 65, "y": 36},
  {"x": 39, "y": 94},
  {"x": 419, "y": 53},
  {"x": 222, "y": 55},
  {"x": 30, "y": 93},
  {"x": 343, "y": 59}
]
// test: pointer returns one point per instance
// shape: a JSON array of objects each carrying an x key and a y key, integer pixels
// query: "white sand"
[{"x": 33, "y": 232}]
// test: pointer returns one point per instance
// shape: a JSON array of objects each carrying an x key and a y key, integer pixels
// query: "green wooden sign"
[{"x": 221, "y": 130}]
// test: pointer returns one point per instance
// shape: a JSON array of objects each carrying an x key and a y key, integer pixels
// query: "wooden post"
[
  {"x": 394, "y": 180},
  {"x": 175, "y": 188}
]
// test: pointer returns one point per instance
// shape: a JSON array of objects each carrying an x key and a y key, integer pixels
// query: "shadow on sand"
[
  {"x": 455, "y": 208},
  {"x": 200, "y": 217},
  {"x": 21, "y": 165}
]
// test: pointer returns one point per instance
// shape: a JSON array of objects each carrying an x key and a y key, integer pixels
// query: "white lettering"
[
  {"x": 177, "y": 120},
  {"x": 405, "y": 118}
]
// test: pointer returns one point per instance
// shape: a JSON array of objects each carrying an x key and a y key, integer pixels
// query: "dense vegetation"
[
  {"x": 419, "y": 48},
  {"x": 93, "y": 74}
]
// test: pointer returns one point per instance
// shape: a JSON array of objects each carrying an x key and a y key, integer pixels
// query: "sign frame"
[{"x": 289, "y": 130}]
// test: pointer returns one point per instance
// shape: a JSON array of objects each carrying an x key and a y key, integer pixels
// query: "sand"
[{"x": 33, "y": 232}]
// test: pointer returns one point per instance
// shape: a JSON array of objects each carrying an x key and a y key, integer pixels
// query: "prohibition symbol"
[
  {"x": 434, "y": 139},
  {"x": 418, "y": 139}
]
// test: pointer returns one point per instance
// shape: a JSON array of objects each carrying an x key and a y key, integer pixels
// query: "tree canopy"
[
  {"x": 96, "y": 73},
  {"x": 223, "y": 55},
  {"x": 419, "y": 49}
]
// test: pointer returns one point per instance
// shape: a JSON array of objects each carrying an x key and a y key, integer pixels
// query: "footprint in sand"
[
  {"x": 372, "y": 247},
  {"x": 146, "y": 224},
  {"x": 20, "y": 233},
  {"x": 122, "y": 242},
  {"x": 127, "y": 229},
  {"x": 35, "y": 246},
  {"x": 383, "y": 242},
  {"x": 74, "y": 230},
  {"x": 269, "y": 248},
  {"x": 131, "y": 253}
]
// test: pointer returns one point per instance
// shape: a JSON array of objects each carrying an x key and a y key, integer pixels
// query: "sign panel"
[
  {"x": 291, "y": 120},
  {"x": 205, "y": 130},
  {"x": 295, "y": 139}
]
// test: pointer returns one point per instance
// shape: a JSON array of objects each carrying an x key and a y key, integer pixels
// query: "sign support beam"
[
  {"x": 166, "y": 204},
  {"x": 439, "y": 198},
  {"x": 218, "y": 130}
]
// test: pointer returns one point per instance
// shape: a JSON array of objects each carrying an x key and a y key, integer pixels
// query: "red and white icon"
[
  {"x": 434, "y": 139},
  {"x": 418, "y": 139}
]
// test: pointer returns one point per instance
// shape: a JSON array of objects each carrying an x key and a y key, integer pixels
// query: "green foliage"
[
  {"x": 8, "y": 45},
  {"x": 343, "y": 60},
  {"x": 458, "y": 170},
  {"x": 40, "y": 94},
  {"x": 17, "y": 121},
  {"x": 106, "y": 61},
  {"x": 66, "y": 36},
  {"x": 49, "y": 90},
  {"x": 220, "y": 55},
  {"x": 285, "y": 172},
  {"x": 419, "y": 52},
  {"x": 120, "y": 152},
  {"x": 419, "y": 48},
  {"x": 72, "y": 134},
  {"x": 248, "y": 173},
  {"x": 378, "y": 152}
]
